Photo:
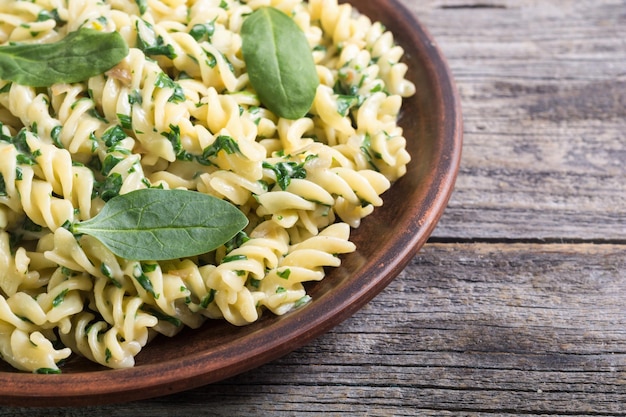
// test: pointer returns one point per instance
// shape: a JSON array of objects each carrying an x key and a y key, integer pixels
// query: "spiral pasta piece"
[
  {"x": 268, "y": 242},
  {"x": 304, "y": 262},
  {"x": 115, "y": 297},
  {"x": 32, "y": 352}
]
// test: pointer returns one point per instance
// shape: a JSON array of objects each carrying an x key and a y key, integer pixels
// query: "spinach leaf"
[
  {"x": 202, "y": 32},
  {"x": 174, "y": 137},
  {"x": 279, "y": 62},
  {"x": 110, "y": 161},
  {"x": 164, "y": 81},
  {"x": 77, "y": 57},
  {"x": 285, "y": 171},
  {"x": 155, "y": 224},
  {"x": 113, "y": 135},
  {"x": 152, "y": 44},
  {"x": 109, "y": 187},
  {"x": 222, "y": 143}
]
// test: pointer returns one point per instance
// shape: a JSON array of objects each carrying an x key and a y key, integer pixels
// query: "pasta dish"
[{"x": 180, "y": 110}]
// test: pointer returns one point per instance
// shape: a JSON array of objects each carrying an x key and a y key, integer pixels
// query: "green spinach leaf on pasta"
[
  {"x": 77, "y": 57},
  {"x": 157, "y": 224},
  {"x": 279, "y": 62}
]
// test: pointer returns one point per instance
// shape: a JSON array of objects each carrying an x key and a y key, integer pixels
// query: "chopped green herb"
[
  {"x": 377, "y": 88},
  {"x": 255, "y": 112},
  {"x": 6, "y": 88},
  {"x": 125, "y": 120},
  {"x": 3, "y": 186},
  {"x": 67, "y": 271},
  {"x": 144, "y": 281},
  {"x": 222, "y": 143},
  {"x": 208, "y": 299},
  {"x": 107, "y": 272},
  {"x": 149, "y": 267},
  {"x": 110, "y": 161},
  {"x": 31, "y": 226},
  {"x": 95, "y": 164},
  {"x": 286, "y": 171},
  {"x": 25, "y": 159},
  {"x": 366, "y": 148},
  {"x": 211, "y": 61},
  {"x": 162, "y": 316},
  {"x": 284, "y": 274},
  {"x": 59, "y": 298},
  {"x": 345, "y": 103},
  {"x": 134, "y": 97},
  {"x": 174, "y": 137},
  {"x": 110, "y": 187},
  {"x": 113, "y": 135},
  {"x": 234, "y": 258},
  {"x": 203, "y": 32},
  {"x": 158, "y": 46},
  {"x": 55, "y": 135},
  {"x": 25, "y": 156},
  {"x": 239, "y": 239},
  {"x": 164, "y": 81},
  {"x": 143, "y": 6},
  {"x": 302, "y": 301},
  {"x": 47, "y": 371}
]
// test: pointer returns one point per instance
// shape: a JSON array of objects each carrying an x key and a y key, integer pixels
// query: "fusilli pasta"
[{"x": 179, "y": 113}]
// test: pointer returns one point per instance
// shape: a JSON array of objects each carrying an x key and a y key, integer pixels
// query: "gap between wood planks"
[
  {"x": 472, "y": 6},
  {"x": 539, "y": 241}
]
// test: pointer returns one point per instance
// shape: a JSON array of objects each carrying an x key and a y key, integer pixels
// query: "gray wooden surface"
[{"x": 516, "y": 307}]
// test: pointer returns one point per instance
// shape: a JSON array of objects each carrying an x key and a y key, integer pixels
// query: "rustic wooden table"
[{"x": 517, "y": 305}]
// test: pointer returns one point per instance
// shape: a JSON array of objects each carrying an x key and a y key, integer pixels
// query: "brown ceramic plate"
[{"x": 386, "y": 241}]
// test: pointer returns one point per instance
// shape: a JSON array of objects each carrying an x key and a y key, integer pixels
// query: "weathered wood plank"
[
  {"x": 473, "y": 329},
  {"x": 543, "y": 89}
]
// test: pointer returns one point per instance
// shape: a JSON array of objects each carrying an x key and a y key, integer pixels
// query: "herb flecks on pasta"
[{"x": 179, "y": 112}]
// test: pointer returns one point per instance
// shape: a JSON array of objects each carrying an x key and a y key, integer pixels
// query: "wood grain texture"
[
  {"x": 543, "y": 89},
  {"x": 517, "y": 306}
]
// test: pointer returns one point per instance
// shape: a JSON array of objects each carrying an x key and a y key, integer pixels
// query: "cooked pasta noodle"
[{"x": 180, "y": 113}]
